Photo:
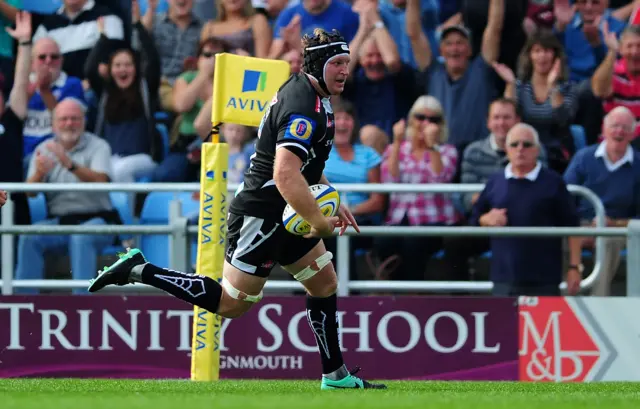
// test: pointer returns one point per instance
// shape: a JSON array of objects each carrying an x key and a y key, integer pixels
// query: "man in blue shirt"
[
  {"x": 579, "y": 29},
  {"x": 394, "y": 13},
  {"x": 309, "y": 15},
  {"x": 381, "y": 86},
  {"x": 528, "y": 194},
  {"x": 612, "y": 171},
  {"x": 581, "y": 34},
  {"x": 50, "y": 85}
]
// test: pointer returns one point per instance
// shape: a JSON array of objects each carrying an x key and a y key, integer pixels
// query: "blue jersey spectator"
[
  {"x": 51, "y": 86},
  {"x": 393, "y": 15},
  {"x": 582, "y": 40},
  {"x": 312, "y": 14}
]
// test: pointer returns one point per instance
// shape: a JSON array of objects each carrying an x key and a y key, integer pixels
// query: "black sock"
[
  {"x": 198, "y": 290},
  {"x": 323, "y": 319}
]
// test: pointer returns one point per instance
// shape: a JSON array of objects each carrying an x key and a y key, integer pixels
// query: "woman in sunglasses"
[
  {"x": 417, "y": 155},
  {"x": 126, "y": 89}
]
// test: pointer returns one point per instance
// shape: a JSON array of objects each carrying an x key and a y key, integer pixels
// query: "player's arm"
[
  {"x": 293, "y": 142},
  {"x": 294, "y": 188}
]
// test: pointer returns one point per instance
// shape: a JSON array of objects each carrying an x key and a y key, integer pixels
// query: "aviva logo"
[{"x": 254, "y": 81}]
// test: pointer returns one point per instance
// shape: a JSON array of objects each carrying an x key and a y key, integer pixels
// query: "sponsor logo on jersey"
[{"x": 300, "y": 128}]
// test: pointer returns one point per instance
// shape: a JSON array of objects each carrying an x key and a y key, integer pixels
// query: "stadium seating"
[
  {"x": 38, "y": 208},
  {"x": 579, "y": 136},
  {"x": 164, "y": 134},
  {"x": 163, "y": 6},
  {"x": 41, "y": 6},
  {"x": 121, "y": 202},
  {"x": 156, "y": 211}
]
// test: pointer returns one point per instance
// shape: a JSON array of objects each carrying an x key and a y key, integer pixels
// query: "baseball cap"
[{"x": 458, "y": 29}]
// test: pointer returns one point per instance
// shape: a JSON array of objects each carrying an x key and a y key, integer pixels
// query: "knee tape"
[
  {"x": 239, "y": 295},
  {"x": 315, "y": 267}
]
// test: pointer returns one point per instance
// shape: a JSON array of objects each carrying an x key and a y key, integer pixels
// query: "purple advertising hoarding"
[{"x": 150, "y": 337}]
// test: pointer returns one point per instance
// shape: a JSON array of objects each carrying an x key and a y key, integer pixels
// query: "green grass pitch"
[{"x": 128, "y": 394}]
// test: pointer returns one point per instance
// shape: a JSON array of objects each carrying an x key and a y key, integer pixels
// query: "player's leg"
[
  {"x": 315, "y": 271},
  {"x": 239, "y": 290}
]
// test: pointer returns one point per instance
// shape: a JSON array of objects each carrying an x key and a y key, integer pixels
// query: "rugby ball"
[{"x": 327, "y": 199}]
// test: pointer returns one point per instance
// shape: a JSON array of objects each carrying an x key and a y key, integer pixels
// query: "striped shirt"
[
  {"x": 626, "y": 92},
  {"x": 78, "y": 35},
  {"x": 542, "y": 116}
]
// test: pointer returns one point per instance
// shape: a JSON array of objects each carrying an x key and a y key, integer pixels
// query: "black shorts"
[{"x": 255, "y": 245}]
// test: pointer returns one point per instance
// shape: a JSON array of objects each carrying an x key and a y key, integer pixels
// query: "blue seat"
[
  {"x": 164, "y": 134},
  {"x": 156, "y": 211},
  {"x": 589, "y": 253},
  {"x": 38, "y": 208},
  {"x": 39, "y": 6},
  {"x": 161, "y": 116},
  {"x": 121, "y": 202},
  {"x": 579, "y": 136}
]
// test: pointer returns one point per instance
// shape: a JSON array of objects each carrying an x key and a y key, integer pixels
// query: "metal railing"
[{"x": 179, "y": 232}]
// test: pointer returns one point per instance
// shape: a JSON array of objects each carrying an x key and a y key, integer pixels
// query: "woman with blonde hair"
[
  {"x": 419, "y": 154},
  {"x": 237, "y": 23}
]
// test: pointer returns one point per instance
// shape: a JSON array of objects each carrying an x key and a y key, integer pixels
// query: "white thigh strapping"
[
  {"x": 239, "y": 295},
  {"x": 309, "y": 271}
]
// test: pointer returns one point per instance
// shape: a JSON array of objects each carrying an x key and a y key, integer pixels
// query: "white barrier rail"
[{"x": 178, "y": 232}]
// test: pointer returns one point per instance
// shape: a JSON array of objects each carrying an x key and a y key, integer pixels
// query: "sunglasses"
[
  {"x": 433, "y": 119},
  {"x": 525, "y": 144},
  {"x": 207, "y": 54},
  {"x": 54, "y": 57}
]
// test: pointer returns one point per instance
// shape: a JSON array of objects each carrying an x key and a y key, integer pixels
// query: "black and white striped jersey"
[{"x": 300, "y": 120}]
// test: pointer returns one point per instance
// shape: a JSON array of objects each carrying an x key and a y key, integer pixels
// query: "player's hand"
[
  {"x": 346, "y": 220},
  {"x": 3, "y": 197},
  {"x": 326, "y": 229}
]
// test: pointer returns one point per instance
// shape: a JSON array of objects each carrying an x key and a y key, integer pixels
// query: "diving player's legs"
[
  {"x": 250, "y": 241},
  {"x": 316, "y": 273},
  {"x": 203, "y": 291}
]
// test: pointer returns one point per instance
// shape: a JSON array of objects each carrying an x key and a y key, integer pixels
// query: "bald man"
[
  {"x": 71, "y": 156},
  {"x": 48, "y": 85},
  {"x": 527, "y": 194},
  {"x": 611, "y": 170}
]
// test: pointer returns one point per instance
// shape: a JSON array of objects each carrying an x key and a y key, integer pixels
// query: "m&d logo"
[{"x": 254, "y": 81}]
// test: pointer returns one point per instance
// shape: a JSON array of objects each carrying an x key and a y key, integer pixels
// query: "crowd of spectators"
[{"x": 440, "y": 92}]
